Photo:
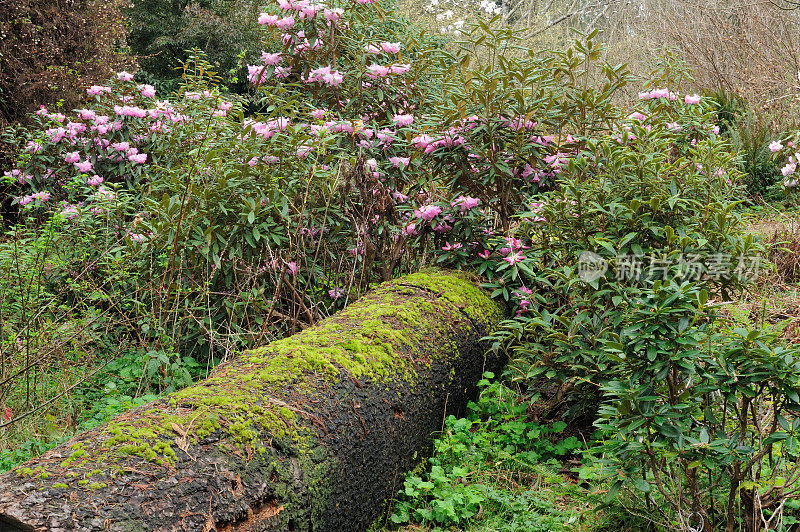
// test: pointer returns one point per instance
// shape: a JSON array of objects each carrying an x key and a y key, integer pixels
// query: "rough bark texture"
[{"x": 313, "y": 432}]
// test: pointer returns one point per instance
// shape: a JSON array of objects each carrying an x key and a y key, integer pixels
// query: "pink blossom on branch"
[
  {"x": 397, "y": 161},
  {"x": 270, "y": 59},
  {"x": 97, "y": 90},
  {"x": 427, "y": 212},
  {"x": 403, "y": 120},
  {"x": 390, "y": 47},
  {"x": 514, "y": 258},
  {"x": 84, "y": 166},
  {"x": 465, "y": 203},
  {"x": 269, "y": 20},
  {"x": 325, "y": 75},
  {"x": 333, "y": 15},
  {"x": 148, "y": 91}
]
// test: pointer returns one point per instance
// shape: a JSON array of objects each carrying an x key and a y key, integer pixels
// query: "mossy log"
[{"x": 313, "y": 432}]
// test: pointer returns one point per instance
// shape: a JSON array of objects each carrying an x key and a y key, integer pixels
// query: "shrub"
[{"x": 51, "y": 50}]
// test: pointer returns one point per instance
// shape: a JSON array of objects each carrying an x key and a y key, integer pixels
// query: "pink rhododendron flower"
[
  {"x": 335, "y": 293},
  {"x": 148, "y": 91},
  {"x": 131, "y": 111},
  {"x": 104, "y": 194},
  {"x": 514, "y": 258},
  {"x": 42, "y": 196},
  {"x": 691, "y": 99},
  {"x": 465, "y": 203},
  {"x": 124, "y": 76},
  {"x": 72, "y": 157},
  {"x": 33, "y": 147},
  {"x": 285, "y": 23},
  {"x": 427, "y": 212},
  {"x": 86, "y": 114},
  {"x": 377, "y": 71},
  {"x": 96, "y": 90},
  {"x": 292, "y": 267},
  {"x": 390, "y": 47},
  {"x": 84, "y": 166},
  {"x": 372, "y": 48},
  {"x": 775, "y": 146},
  {"x": 69, "y": 212},
  {"x": 637, "y": 116},
  {"x": 332, "y": 15},
  {"x": 318, "y": 114},
  {"x": 94, "y": 181},
  {"x": 422, "y": 141},
  {"x": 266, "y": 18},
  {"x": 403, "y": 119},
  {"x": 397, "y": 161},
  {"x": 399, "y": 196},
  {"x": 139, "y": 158},
  {"x": 271, "y": 59},
  {"x": 788, "y": 169},
  {"x": 325, "y": 75},
  {"x": 257, "y": 74}
]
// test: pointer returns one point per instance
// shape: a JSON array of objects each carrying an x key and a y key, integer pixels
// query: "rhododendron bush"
[{"x": 374, "y": 153}]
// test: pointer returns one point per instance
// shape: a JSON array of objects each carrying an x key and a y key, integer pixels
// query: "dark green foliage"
[{"x": 161, "y": 32}]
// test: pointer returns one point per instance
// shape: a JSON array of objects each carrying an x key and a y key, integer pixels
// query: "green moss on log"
[{"x": 382, "y": 348}]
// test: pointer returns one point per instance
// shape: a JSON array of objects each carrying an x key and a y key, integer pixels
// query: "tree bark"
[{"x": 313, "y": 432}]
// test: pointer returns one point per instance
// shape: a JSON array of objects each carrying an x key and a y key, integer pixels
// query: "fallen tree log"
[{"x": 313, "y": 432}]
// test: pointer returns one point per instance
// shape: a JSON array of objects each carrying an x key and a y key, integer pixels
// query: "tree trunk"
[{"x": 313, "y": 432}]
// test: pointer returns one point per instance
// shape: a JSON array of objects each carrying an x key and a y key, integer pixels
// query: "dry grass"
[{"x": 774, "y": 302}]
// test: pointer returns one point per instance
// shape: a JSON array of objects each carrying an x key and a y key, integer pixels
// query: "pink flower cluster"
[
  {"x": 42, "y": 196},
  {"x": 465, "y": 203},
  {"x": 658, "y": 93},
  {"x": 325, "y": 75},
  {"x": 376, "y": 71},
  {"x": 387, "y": 47}
]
